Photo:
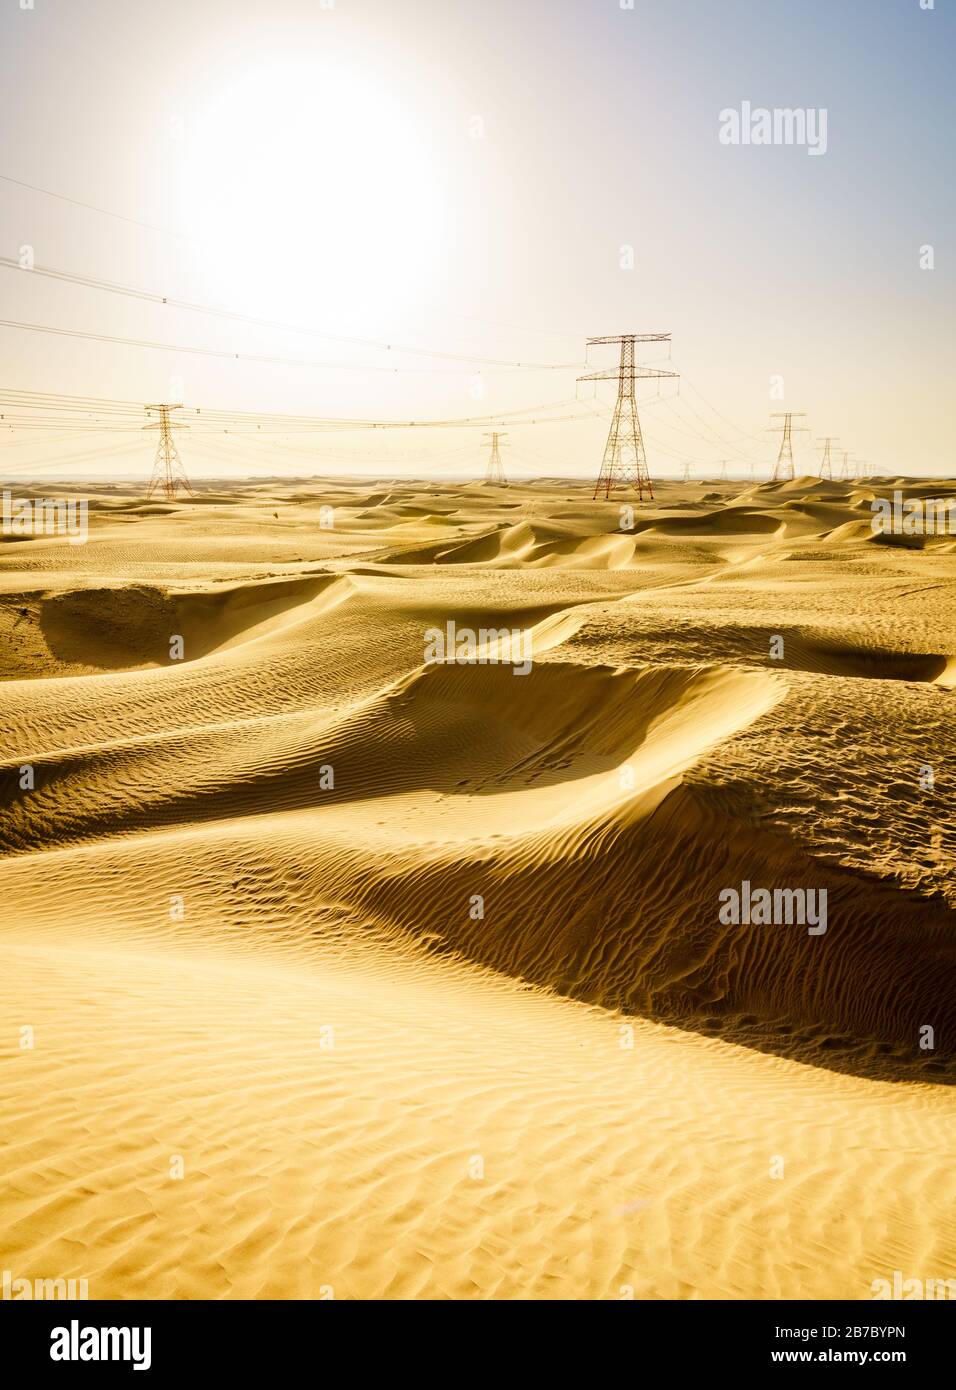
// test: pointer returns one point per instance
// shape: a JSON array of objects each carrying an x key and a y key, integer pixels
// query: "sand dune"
[{"x": 417, "y": 970}]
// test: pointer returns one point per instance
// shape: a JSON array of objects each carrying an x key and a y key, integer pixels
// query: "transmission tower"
[
  {"x": 495, "y": 472},
  {"x": 826, "y": 465},
  {"x": 723, "y": 470},
  {"x": 685, "y": 476},
  {"x": 625, "y": 462},
  {"x": 168, "y": 471},
  {"x": 845, "y": 467},
  {"x": 783, "y": 469}
]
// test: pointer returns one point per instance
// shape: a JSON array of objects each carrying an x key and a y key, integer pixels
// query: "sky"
[{"x": 490, "y": 182}]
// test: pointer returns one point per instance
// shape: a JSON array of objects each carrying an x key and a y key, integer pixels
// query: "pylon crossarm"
[
  {"x": 613, "y": 374},
  {"x": 631, "y": 338}
]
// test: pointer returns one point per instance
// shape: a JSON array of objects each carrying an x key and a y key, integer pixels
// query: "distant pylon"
[
  {"x": 826, "y": 465},
  {"x": 685, "y": 476},
  {"x": 168, "y": 471},
  {"x": 723, "y": 470},
  {"x": 625, "y": 461},
  {"x": 845, "y": 466},
  {"x": 495, "y": 472},
  {"x": 783, "y": 469}
]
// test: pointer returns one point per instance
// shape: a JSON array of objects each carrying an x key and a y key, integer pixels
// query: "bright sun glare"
[{"x": 312, "y": 194}]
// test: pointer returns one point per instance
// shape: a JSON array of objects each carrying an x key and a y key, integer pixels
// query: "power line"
[
  {"x": 724, "y": 443},
  {"x": 183, "y": 236},
  {"x": 60, "y": 462},
  {"x": 119, "y": 412},
  {"x": 91, "y": 207},
  {"x": 379, "y": 345},
  {"x": 239, "y": 356},
  {"x": 695, "y": 434},
  {"x": 736, "y": 428}
]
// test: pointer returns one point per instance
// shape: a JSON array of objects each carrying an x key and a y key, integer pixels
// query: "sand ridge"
[{"x": 431, "y": 1026}]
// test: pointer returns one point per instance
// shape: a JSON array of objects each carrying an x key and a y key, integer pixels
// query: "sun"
[{"x": 310, "y": 192}]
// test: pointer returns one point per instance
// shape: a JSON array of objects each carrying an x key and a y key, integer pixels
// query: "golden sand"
[{"x": 327, "y": 972}]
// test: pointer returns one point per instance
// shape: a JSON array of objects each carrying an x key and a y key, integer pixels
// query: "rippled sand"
[{"x": 328, "y": 973}]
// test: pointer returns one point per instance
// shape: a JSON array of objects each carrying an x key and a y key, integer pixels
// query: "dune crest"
[{"x": 418, "y": 967}]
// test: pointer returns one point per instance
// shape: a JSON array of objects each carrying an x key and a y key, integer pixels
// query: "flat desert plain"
[{"x": 329, "y": 970}]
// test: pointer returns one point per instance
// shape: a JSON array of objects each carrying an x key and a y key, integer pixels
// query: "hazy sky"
[{"x": 462, "y": 175}]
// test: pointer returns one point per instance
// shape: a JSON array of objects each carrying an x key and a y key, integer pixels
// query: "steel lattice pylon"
[
  {"x": 826, "y": 463},
  {"x": 625, "y": 459},
  {"x": 168, "y": 471},
  {"x": 495, "y": 473},
  {"x": 845, "y": 470},
  {"x": 783, "y": 469}
]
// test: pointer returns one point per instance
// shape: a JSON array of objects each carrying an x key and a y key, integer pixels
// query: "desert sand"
[{"x": 328, "y": 972}]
